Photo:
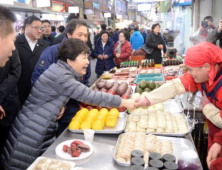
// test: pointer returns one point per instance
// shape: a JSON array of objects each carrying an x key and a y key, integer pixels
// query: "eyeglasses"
[{"x": 37, "y": 28}]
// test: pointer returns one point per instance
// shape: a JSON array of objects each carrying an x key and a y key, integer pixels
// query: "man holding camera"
[
  {"x": 202, "y": 33},
  {"x": 216, "y": 34}
]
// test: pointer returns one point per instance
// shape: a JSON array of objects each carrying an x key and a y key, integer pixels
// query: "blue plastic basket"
[{"x": 149, "y": 75}]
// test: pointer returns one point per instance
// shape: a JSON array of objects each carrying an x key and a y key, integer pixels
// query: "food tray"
[
  {"x": 173, "y": 106},
  {"x": 31, "y": 167},
  {"x": 179, "y": 145},
  {"x": 119, "y": 128},
  {"x": 190, "y": 128}
]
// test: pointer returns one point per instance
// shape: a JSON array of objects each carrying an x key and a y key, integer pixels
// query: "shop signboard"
[
  {"x": 88, "y": 4},
  {"x": 95, "y": 5}
]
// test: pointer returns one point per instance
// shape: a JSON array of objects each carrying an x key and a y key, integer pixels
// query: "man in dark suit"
[{"x": 30, "y": 47}]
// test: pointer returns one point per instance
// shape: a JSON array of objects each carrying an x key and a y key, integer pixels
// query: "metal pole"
[{"x": 114, "y": 17}]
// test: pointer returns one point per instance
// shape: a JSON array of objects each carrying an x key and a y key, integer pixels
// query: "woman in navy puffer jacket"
[{"x": 104, "y": 53}]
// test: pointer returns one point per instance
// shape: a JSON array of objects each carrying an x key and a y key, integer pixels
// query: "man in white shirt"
[{"x": 30, "y": 47}]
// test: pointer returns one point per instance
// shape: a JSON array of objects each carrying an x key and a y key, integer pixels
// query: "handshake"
[{"x": 133, "y": 104}]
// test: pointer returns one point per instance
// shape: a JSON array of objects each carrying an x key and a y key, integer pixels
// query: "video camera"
[{"x": 204, "y": 24}]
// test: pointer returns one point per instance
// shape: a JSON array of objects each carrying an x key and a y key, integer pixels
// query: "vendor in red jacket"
[
  {"x": 122, "y": 49},
  {"x": 204, "y": 64}
]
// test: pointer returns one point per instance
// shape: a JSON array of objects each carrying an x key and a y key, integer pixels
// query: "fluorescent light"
[
  {"x": 45, "y": 3},
  {"x": 139, "y": 1}
]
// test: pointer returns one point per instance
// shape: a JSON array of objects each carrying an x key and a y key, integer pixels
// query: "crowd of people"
[{"x": 44, "y": 77}]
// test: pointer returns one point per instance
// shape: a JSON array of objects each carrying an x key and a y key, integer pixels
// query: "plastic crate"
[
  {"x": 149, "y": 75},
  {"x": 156, "y": 79}
]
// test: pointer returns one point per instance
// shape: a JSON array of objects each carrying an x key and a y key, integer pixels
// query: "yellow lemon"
[
  {"x": 85, "y": 125},
  {"x": 93, "y": 112},
  {"x": 111, "y": 121},
  {"x": 98, "y": 125},
  {"x": 114, "y": 112},
  {"x": 79, "y": 119},
  {"x": 83, "y": 112},
  {"x": 101, "y": 117},
  {"x": 104, "y": 112},
  {"x": 74, "y": 125}
]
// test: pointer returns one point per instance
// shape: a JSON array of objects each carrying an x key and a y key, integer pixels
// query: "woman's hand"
[
  {"x": 2, "y": 112},
  {"x": 117, "y": 55},
  {"x": 142, "y": 102},
  {"x": 128, "y": 103},
  {"x": 61, "y": 113},
  {"x": 160, "y": 46},
  {"x": 105, "y": 56},
  {"x": 100, "y": 56}
]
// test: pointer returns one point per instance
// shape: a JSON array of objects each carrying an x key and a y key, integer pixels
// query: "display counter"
[{"x": 102, "y": 158}]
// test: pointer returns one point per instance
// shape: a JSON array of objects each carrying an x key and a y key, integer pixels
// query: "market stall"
[{"x": 162, "y": 129}]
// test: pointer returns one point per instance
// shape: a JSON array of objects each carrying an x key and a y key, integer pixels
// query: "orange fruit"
[
  {"x": 114, "y": 112},
  {"x": 74, "y": 125},
  {"x": 85, "y": 125},
  {"x": 98, "y": 125}
]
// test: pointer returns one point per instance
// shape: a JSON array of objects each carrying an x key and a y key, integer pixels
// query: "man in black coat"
[
  {"x": 47, "y": 32},
  {"x": 30, "y": 47},
  {"x": 9, "y": 100}
]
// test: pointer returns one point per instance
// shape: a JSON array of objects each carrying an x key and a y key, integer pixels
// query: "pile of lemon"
[{"x": 94, "y": 119}]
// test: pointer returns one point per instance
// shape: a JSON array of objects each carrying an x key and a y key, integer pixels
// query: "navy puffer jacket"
[{"x": 34, "y": 129}]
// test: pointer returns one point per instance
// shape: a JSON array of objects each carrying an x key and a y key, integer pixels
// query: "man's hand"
[
  {"x": 220, "y": 26},
  {"x": 204, "y": 99},
  {"x": 160, "y": 47},
  {"x": 2, "y": 112},
  {"x": 117, "y": 55},
  {"x": 61, "y": 113},
  {"x": 201, "y": 28},
  {"x": 213, "y": 153},
  {"x": 128, "y": 103},
  {"x": 142, "y": 102}
]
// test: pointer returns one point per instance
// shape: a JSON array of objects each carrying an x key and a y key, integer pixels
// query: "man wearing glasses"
[{"x": 30, "y": 47}]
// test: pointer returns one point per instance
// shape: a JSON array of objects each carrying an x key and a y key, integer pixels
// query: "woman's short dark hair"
[
  {"x": 104, "y": 32},
  {"x": 71, "y": 48},
  {"x": 124, "y": 33},
  {"x": 154, "y": 26}
]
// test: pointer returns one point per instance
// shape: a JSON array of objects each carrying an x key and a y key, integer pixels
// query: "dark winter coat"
[
  {"x": 107, "y": 64},
  {"x": 28, "y": 60},
  {"x": 136, "y": 40},
  {"x": 34, "y": 128},
  {"x": 49, "y": 39},
  {"x": 126, "y": 51},
  {"x": 153, "y": 41},
  {"x": 9, "y": 77}
]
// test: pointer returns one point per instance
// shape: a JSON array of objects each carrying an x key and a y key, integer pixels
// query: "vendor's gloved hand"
[
  {"x": 213, "y": 153},
  {"x": 142, "y": 102},
  {"x": 204, "y": 99}
]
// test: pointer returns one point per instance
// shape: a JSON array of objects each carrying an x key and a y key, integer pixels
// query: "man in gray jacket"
[{"x": 216, "y": 35}]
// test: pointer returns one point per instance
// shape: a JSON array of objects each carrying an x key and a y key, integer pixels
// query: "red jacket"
[
  {"x": 215, "y": 133},
  {"x": 126, "y": 51}
]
